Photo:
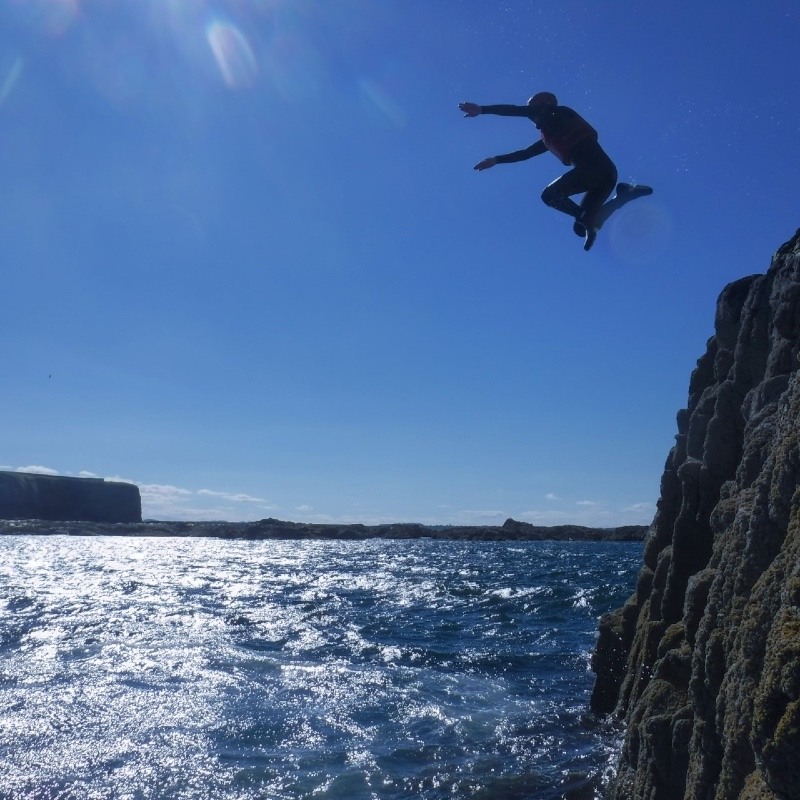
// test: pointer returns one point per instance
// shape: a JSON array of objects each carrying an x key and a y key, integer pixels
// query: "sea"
[{"x": 144, "y": 668}]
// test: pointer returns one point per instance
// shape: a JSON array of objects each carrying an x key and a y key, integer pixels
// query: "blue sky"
[{"x": 247, "y": 265}]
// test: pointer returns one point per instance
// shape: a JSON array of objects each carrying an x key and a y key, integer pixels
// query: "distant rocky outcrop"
[
  {"x": 703, "y": 662},
  {"x": 511, "y": 530},
  {"x": 27, "y": 496}
]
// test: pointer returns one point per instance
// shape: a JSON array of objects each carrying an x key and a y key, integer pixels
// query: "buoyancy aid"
[{"x": 562, "y": 129}]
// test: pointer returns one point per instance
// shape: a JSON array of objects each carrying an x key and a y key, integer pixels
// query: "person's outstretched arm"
[
  {"x": 473, "y": 110},
  {"x": 536, "y": 149},
  {"x": 505, "y": 110}
]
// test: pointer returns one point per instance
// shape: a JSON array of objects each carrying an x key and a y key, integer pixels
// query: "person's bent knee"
[{"x": 552, "y": 197}]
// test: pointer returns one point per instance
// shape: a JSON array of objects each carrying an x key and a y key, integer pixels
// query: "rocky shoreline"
[
  {"x": 511, "y": 530},
  {"x": 702, "y": 664}
]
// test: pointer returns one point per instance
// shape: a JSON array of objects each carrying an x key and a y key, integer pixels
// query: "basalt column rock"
[
  {"x": 47, "y": 497},
  {"x": 703, "y": 662}
]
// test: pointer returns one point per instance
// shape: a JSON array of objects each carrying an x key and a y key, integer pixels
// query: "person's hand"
[
  {"x": 486, "y": 163},
  {"x": 470, "y": 109}
]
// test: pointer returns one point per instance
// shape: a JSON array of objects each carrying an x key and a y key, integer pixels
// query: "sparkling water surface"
[{"x": 205, "y": 668}]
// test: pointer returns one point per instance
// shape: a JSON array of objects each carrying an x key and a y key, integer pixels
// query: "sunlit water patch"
[{"x": 192, "y": 668}]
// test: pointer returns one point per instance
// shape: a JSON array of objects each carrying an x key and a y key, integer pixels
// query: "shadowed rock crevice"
[{"x": 703, "y": 662}]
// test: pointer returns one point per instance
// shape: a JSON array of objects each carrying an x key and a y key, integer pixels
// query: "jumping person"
[{"x": 570, "y": 138}]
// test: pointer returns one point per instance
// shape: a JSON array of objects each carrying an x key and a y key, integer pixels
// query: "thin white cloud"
[
  {"x": 37, "y": 470},
  {"x": 544, "y": 517},
  {"x": 236, "y": 498},
  {"x": 640, "y": 507},
  {"x": 160, "y": 500},
  {"x": 592, "y": 515},
  {"x": 162, "y": 490},
  {"x": 551, "y": 496},
  {"x": 585, "y": 503},
  {"x": 478, "y": 517},
  {"x": 169, "y": 502}
]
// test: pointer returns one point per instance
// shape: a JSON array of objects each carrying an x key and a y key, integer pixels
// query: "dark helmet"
[{"x": 543, "y": 99}]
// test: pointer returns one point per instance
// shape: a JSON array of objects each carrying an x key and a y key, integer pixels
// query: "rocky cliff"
[
  {"x": 27, "y": 496},
  {"x": 702, "y": 664}
]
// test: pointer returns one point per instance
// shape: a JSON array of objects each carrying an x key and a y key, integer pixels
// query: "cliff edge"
[
  {"x": 702, "y": 664},
  {"x": 29, "y": 496}
]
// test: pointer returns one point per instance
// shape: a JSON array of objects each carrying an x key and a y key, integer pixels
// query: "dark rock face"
[
  {"x": 27, "y": 496},
  {"x": 703, "y": 662}
]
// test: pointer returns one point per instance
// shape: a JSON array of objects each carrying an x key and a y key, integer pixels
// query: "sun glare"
[
  {"x": 232, "y": 52},
  {"x": 51, "y": 16},
  {"x": 9, "y": 77}
]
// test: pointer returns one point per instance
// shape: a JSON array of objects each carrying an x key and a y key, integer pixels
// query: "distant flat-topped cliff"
[
  {"x": 26, "y": 496},
  {"x": 703, "y": 662}
]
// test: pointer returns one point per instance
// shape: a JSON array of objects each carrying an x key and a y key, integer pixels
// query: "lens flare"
[
  {"x": 53, "y": 17},
  {"x": 641, "y": 233},
  {"x": 377, "y": 98},
  {"x": 232, "y": 52},
  {"x": 9, "y": 80}
]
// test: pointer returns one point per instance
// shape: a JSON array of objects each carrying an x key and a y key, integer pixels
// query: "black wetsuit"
[{"x": 574, "y": 142}]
